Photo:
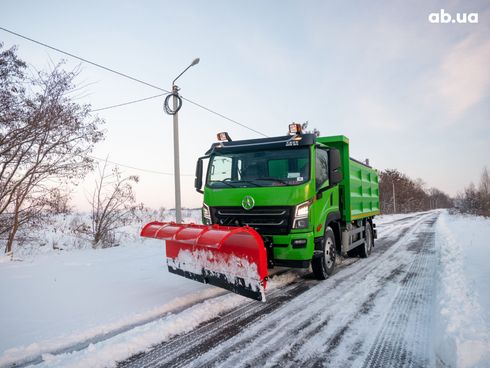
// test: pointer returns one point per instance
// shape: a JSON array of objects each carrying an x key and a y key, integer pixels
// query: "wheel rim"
[{"x": 328, "y": 253}]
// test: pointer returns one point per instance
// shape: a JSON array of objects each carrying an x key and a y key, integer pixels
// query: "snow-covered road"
[
  {"x": 411, "y": 303},
  {"x": 376, "y": 312}
]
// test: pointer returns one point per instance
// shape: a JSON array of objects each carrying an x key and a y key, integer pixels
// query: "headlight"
[
  {"x": 302, "y": 209},
  {"x": 301, "y": 215},
  {"x": 206, "y": 214}
]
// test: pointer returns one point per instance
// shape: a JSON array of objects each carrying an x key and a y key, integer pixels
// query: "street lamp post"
[
  {"x": 178, "y": 208},
  {"x": 176, "y": 107}
]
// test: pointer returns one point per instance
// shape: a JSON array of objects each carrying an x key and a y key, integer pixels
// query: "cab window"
[{"x": 321, "y": 168}]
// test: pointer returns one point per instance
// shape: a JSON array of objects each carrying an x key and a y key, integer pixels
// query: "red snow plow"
[{"x": 233, "y": 258}]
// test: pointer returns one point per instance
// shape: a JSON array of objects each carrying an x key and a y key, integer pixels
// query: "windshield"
[{"x": 259, "y": 169}]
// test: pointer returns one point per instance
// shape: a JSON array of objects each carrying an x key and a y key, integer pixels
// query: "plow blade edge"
[{"x": 233, "y": 258}]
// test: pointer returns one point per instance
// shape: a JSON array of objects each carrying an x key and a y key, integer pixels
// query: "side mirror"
[
  {"x": 334, "y": 167},
  {"x": 198, "y": 179}
]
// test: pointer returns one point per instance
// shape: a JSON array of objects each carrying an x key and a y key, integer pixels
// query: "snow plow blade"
[{"x": 233, "y": 258}]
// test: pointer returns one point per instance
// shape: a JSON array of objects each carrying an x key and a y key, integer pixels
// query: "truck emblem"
[{"x": 248, "y": 203}]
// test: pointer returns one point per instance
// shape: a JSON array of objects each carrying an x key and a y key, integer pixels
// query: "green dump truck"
[
  {"x": 293, "y": 201},
  {"x": 304, "y": 195}
]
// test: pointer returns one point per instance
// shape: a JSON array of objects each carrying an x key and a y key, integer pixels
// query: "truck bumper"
[{"x": 293, "y": 250}]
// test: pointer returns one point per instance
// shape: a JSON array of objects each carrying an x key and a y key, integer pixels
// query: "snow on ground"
[
  {"x": 59, "y": 299},
  {"x": 124, "y": 345},
  {"x": 383, "y": 219},
  {"x": 56, "y": 299},
  {"x": 65, "y": 232},
  {"x": 64, "y": 297},
  {"x": 464, "y": 243}
]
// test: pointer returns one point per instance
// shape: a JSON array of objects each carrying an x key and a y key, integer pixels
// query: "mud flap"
[{"x": 233, "y": 258}]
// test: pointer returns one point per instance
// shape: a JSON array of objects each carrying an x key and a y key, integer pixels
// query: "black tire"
[
  {"x": 323, "y": 265},
  {"x": 365, "y": 249}
]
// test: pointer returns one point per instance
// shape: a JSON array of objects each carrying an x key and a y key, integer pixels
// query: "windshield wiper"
[
  {"x": 268, "y": 178},
  {"x": 247, "y": 181},
  {"x": 224, "y": 182},
  {"x": 229, "y": 182}
]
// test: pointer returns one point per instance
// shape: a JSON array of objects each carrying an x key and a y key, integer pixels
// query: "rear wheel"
[
  {"x": 323, "y": 264},
  {"x": 365, "y": 249}
]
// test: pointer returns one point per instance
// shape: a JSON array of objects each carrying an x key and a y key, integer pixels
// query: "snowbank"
[{"x": 464, "y": 339}]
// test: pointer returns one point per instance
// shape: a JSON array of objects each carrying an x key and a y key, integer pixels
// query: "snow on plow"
[{"x": 233, "y": 258}]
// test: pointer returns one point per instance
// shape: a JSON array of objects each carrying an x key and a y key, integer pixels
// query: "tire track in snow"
[
  {"x": 291, "y": 357},
  {"x": 191, "y": 344},
  {"x": 404, "y": 341},
  {"x": 334, "y": 340},
  {"x": 288, "y": 332},
  {"x": 202, "y": 344}
]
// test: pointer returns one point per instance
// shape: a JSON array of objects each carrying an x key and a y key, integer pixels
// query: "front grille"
[{"x": 266, "y": 220}]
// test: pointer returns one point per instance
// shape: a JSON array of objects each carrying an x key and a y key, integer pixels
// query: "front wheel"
[{"x": 323, "y": 264}]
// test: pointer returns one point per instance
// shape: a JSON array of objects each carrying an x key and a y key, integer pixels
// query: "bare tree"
[
  {"x": 468, "y": 200},
  {"x": 113, "y": 205},
  {"x": 45, "y": 139},
  {"x": 484, "y": 192},
  {"x": 476, "y": 200},
  {"x": 57, "y": 201}
]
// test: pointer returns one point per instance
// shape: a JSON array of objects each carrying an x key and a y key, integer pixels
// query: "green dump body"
[{"x": 359, "y": 188}]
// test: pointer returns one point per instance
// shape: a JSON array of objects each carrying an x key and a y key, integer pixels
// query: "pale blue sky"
[{"x": 409, "y": 94}]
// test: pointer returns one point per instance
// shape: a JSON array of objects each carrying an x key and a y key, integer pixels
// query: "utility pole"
[
  {"x": 177, "y": 104},
  {"x": 178, "y": 208},
  {"x": 394, "y": 198}
]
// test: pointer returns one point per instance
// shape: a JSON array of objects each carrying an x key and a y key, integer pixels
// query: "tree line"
[{"x": 400, "y": 194}]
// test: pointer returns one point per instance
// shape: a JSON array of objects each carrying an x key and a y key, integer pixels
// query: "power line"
[
  {"x": 84, "y": 60},
  {"x": 129, "y": 77},
  {"x": 223, "y": 116},
  {"x": 135, "y": 168},
  {"x": 129, "y": 102}
]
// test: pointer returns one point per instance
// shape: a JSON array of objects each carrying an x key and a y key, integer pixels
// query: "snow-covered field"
[{"x": 86, "y": 307}]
